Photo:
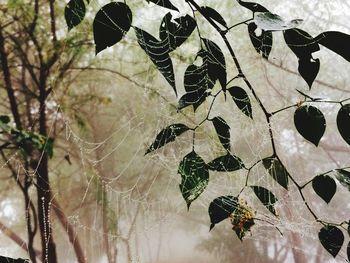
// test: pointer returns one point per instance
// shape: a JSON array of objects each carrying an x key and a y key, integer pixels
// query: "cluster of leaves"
[
  {"x": 24, "y": 140},
  {"x": 114, "y": 20}
]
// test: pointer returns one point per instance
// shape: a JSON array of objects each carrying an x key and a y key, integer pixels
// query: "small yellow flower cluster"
[{"x": 242, "y": 219}]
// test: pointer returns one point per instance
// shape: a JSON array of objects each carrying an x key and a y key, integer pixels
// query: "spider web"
[{"x": 147, "y": 218}]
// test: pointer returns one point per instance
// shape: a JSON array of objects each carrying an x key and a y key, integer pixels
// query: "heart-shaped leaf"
[
  {"x": 332, "y": 239},
  {"x": 343, "y": 177},
  {"x": 276, "y": 170},
  {"x": 308, "y": 69},
  {"x": 261, "y": 43},
  {"x": 223, "y": 132},
  {"x": 254, "y": 7},
  {"x": 226, "y": 163},
  {"x": 167, "y": 135},
  {"x": 343, "y": 122},
  {"x": 221, "y": 208},
  {"x": 195, "y": 177},
  {"x": 158, "y": 53},
  {"x": 240, "y": 97},
  {"x": 324, "y": 186},
  {"x": 267, "y": 198},
  {"x": 310, "y": 123},
  {"x": 213, "y": 14},
  {"x": 74, "y": 13},
  {"x": 164, "y": 3},
  {"x": 272, "y": 22},
  {"x": 336, "y": 41},
  {"x": 110, "y": 25}
]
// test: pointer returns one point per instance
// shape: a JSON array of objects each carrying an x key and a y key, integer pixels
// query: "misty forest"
[{"x": 174, "y": 131}]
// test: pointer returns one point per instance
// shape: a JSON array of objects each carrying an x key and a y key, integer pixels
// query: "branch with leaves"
[{"x": 114, "y": 20}]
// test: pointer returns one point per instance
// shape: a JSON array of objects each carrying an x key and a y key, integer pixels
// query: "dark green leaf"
[
  {"x": 226, "y": 163},
  {"x": 12, "y": 260},
  {"x": 164, "y": 3},
  {"x": 213, "y": 14},
  {"x": 324, "y": 186},
  {"x": 338, "y": 42},
  {"x": 276, "y": 170},
  {"x": 158, "y": 53},
  {"x": 194, "y": 98},
  {"x": 254, "y": 7},
  {"x": 223, "y": 132},
  {"x": 5, "y": 119},
  {"x": 343, "y": 122},
  {"x": 272, "y": 22},
  {"x": 308, "y": 69},
  {"x": 195, "y": 177},
  {"x": 167, "y": 135},
  {"x": 74, "y": 13},
  {"x": 343, "y": 177},
  {"x": 300, "y": 42},
  {"x": 266, "y": 198},
  {"x": 240, "y": 97},
  {"x": 310, "y": 123},
  {"x": 221, "y": 208},
  {"x": 332, "y": 239},
  {"x": 217, "y": 65},
  {"x": 303, "y": 45},
  {"x": 173, "y": 34},
  {"x": 111, "y": 23},
  {"x": 348, "y": 251},
  {"x": 261, "y": 43}
]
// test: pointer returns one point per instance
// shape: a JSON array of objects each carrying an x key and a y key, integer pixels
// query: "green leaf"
[
  {"x": 164, "y": 3},
  {"x": 158, "y": 53},
  {"x": 167, "y": 135},
  {"x": 175, "y": 34},
  {"x": 272, "y": 22},
  {"x": 336, "y": 41},
  {"x": 110, "y": 25},
  {"x": 254, "y": 7},
  {"x": 310, "y": 123},
  {"x": 74, "y": 13},
  {"x": 223, "y": 132},
  {"x": 343, "y": 122},
  {"x": 266, "y": 198},
  {"x": 217, "y": 65},
  {"x": 276, "y": 170},
  {"x": 226, "y": 163},
  {"x": 303, "y": 45},
  {"x": 324, "y": 186},
  {"x": 213, "y": 14},
  {"x": 241, "y": 98},
  {"x": 332, "y": 239},
  {"x": 5, "y": 119},
  {"x": 221, "y": 208},
  {"x": 261, "y": 43},
  {"x": 343, "y": 177},
  {"x": 195, "y": 177}
]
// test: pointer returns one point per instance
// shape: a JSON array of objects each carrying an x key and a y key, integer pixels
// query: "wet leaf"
[
  {"x": 226, "y": 163},
  {"x": 310, "y": 123},
  {"x": 277, "y": 170},
  {"x": 195, "y": 177},
  {"x": 74, "y": 13},
  {"x": 325, "y": 187},
  {"x": 241, "y": 98},
  {"x": 221, "y": 208},
  {"x": 167, "y": 135},
  {"x": 266, "y": 198},
  {"x": 332, "y": 239},
  {"x": 110, "y": 25},
  {"x": 223, "y": 132},
  {"x": 343, "y": 122}
]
